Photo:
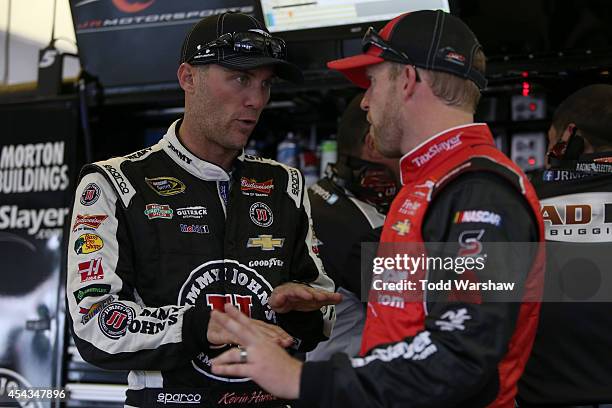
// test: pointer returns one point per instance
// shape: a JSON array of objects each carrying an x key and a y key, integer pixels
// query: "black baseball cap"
[
  {"x": 211, "y": 28},
  {"x": 433, "y": 40}
]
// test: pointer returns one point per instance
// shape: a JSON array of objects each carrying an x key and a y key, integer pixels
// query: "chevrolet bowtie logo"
[
  {"x": 266, "y": 242},
  {"x": 402, "y": 227}
]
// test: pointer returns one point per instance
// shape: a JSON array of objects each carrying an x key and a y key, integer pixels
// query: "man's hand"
[
  {"x": 296, "y": 296},
  {"x": 218, "y": 335},
  {"x": 266, "y": 363}
]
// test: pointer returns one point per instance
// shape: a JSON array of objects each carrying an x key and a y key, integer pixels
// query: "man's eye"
[
  {"x": 243, "y": 79},
  {"x": 267, "y": 84}
]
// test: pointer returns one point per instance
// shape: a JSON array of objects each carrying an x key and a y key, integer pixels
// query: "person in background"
[
  {"x": 423, "y": 73},
  {"x": 571, "y": 361},
  {"x": 348, "y": 208},
  {"x": 163, "y": 236}
]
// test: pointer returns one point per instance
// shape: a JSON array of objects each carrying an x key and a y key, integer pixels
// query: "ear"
[
  {"x": 408, "y": 80},
  {"x": 185, "y": 75}
]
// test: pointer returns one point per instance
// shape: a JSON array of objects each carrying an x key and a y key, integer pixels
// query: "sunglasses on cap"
[
  {"x": 371, "y": 37},
  {"x": 247, "y": 42}
]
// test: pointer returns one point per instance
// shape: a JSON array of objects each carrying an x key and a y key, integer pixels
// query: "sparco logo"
[
  {"x": 167, "y": 398},
  {"x": 295, "y": 182},
  {"x": 180, "y": 155},
  {"x": 266, "y": 262},
  {"x": 118, "y": 178},
  {"x": 434, "y": 150}
]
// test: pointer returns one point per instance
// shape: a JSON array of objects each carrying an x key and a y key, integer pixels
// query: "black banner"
[
  {"x": 37, "y": 174},
  {"x": 131, "y": 43}
]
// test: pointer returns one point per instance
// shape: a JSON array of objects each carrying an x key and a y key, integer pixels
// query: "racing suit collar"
[
  {"x": 439, "y": 147},
  {"x": 202, "y": 169}
]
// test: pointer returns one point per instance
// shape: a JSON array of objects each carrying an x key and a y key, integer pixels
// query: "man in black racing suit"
[
  {"x": 571, "y": 363},
  {"x": 161, "y": 237}
]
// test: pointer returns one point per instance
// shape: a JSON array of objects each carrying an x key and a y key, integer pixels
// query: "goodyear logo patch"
[
  {"x": 88, "y": 243},
  {"x": 166, "y": 186}
]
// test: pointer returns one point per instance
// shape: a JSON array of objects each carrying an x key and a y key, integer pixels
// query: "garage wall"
[{"x": 30, "y": 30}]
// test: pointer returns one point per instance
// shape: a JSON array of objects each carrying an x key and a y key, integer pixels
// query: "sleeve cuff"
[{"x": 317, "y": 378}]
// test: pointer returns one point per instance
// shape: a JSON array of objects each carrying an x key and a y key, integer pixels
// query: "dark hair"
[
  {"x": 590, "y": 108},
  {"x": 353, "y": 128}
]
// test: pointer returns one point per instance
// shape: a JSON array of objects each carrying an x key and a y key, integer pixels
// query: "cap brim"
[
  {"x": 354, "y": 68},
  {"x": 284, "y": 70}
]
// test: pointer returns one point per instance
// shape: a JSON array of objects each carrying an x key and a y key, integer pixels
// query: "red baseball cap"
[{"x": 433, "y": 40}]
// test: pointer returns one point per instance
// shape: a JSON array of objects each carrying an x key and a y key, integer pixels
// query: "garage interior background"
[{"x": 539, "y": 51}]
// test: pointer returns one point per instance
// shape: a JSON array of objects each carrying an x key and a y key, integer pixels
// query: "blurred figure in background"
[{"x": 348, "y": 208}]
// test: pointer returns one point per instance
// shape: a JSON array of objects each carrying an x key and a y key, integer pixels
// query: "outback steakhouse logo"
[{"x": 252, "y": 187}]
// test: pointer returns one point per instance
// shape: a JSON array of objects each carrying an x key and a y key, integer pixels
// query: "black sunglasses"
[
  {"x": 371, "y": 37},
  {"x": 247, "y": 42}
]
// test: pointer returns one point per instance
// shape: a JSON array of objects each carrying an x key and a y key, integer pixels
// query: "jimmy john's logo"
[
  {"x": 218, "y": 282},
  {"x": 158, "y": 211},
  {"x": 88, "y": 222},
  {"x": 586, "y": 217},
  {"x": 88, "y": 243},
  {"x": 252, "y": 187},
  {"x": 115, "y": 319},
  {"x": 90, "y": 194},
  {"x": 265, "y": 242},
  {"x": 166, "y": 186},
  {"x": 261, "y": 214}
]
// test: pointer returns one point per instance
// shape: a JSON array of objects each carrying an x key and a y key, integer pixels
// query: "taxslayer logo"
[
  {"x": 254, "y": 188},
  {"x": 33, "y": 221},
  {"x": 91, "y": 222},
  {"x": 436, "y": 149},
  {"x": 88, "y": 243},
  {"x": 132, "y": 6}
]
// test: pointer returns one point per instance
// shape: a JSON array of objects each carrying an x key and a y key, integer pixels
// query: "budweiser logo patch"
[{"x": 254, "y": 188}]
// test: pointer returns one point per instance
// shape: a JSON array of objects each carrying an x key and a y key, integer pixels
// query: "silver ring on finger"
[{"x": 243, "y": 356}]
